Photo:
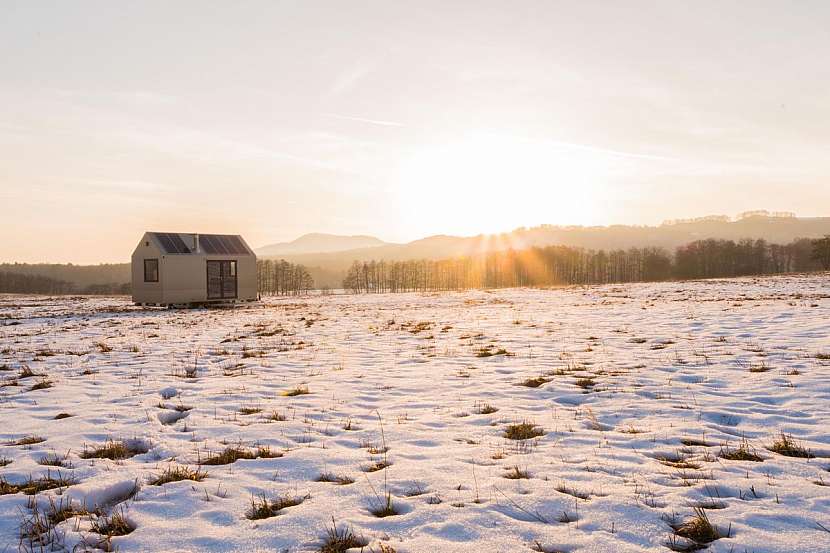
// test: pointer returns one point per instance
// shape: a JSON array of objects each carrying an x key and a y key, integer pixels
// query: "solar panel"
[
  {"x": 222, "y": 244},
  {"x": 236, "y": 244},
  {"x": 181, "y": 247},
  {"x": 166, "y": 243},
  {"x": 172, "y": 242},
  {"x": 210, "y": 245},
  {"x": 206, "y": 244}
]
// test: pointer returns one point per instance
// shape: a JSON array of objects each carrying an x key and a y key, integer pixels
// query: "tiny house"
[{"x": 170, "y": 268}]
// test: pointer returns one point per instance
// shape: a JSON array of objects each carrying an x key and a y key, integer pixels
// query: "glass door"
[{"x": 221, "y": 279}]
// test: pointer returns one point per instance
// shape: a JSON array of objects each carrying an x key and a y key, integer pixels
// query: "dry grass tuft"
[
  {"x": 490, "y": 351},
  {"x": 42, "y": 385},
  {"x": 275, "y": 417},
  {"x": 227, "y": 456},
  {"x": 115, "y": 450},
  {"x": 27, "y": 440},
  {"x": 55, "y": 460},
  {"x": 297, "y": 391},
  {"x": 7, "y": 487},
  {"x": 232, "y": 454},
  {"x": 340, "y": 540},
  {"x": 377, "y": 465},
  {"x": 103, "y": 347},
  {"x": 744, "y": 452},
  {"x": 523, "y": 431},
  {"x": 786, "y": 445},
  {"x": 339, "y": 479},
  {"x": 585, "y": 383},
  {"x": 384, "y": 506},
  {"x": 485, "y": 409},
  {"x": 115, "y": 524},
  {"x": 573, "y": 492},
  {"x": 677, "y": 461},
  {"x": 177, "y": 474},
  {"x": 515, "y": 473},
  {"x": 27, "y": 372},
  {"x": 262, "y": 507},
  {"x": 36, "y": 485},
  {"x": 535, "y": 382},
  {"x": 63, "y": 510},
  {"x": 698, "y": 528},
  {"x": 761, "y": 367}
]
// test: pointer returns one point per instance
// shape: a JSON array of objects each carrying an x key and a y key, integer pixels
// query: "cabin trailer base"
[{"x": 197, "y": 304}]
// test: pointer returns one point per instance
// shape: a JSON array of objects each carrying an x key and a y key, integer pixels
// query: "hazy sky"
[{"x": 401, "y": 119}]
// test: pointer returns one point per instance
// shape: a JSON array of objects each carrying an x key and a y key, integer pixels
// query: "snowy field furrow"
[{"x": 595, "y": 419}]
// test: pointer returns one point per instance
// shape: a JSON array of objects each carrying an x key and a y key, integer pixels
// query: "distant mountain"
[{"x": 319, "y": 243}]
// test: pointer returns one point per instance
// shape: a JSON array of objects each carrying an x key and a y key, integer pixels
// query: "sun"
[{"x": 487, "y": 183}]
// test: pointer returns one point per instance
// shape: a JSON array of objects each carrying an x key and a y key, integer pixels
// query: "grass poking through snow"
[{"x": 523, "y": 431}]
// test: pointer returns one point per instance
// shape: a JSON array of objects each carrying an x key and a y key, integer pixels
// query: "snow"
[{"x": 714, "y": 361}]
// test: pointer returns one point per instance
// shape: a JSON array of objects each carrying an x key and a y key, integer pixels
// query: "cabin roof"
[{"x": 201, "y": 244}]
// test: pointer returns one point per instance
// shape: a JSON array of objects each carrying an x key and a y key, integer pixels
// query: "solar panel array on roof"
[
  {"x": 221, "y": 244},
  {"x": 172, "y": 242}
]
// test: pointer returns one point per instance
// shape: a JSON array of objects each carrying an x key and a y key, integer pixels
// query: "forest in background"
[
  {"x": 329, "y": 268},
  {"x": 281, "y": 278},
  {"x": 54, "y": 278},
  {"x": 562, "y": 265}
]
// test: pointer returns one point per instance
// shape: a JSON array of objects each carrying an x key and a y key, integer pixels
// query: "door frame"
[{"x": 222, "y": 276}]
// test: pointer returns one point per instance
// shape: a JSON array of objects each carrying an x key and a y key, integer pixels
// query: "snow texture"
[{"x": 640, "y": 389}]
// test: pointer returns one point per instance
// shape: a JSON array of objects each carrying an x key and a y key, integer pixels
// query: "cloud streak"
[{"x": 378, "y": 122}]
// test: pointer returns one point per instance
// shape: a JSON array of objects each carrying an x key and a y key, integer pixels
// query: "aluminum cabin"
[{"x": 171, "y": 268}]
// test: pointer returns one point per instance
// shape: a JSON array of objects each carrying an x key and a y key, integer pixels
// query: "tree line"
[
  {"x": 25, "y": 283},
  {"x": 281, "y": 278},
  {"x": 563, "y": 265}
]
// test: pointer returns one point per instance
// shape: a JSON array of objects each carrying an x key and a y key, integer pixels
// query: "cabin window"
[
  {"x": 151, "y": 270},
  {"x": 221, "y": 279}
]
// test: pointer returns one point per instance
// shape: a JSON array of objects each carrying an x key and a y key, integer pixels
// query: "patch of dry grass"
[
  {"x": 27, "y": 440},
  {"x": 534, "y": 382},
  {"x": 232, "y": 454},
  {"x": 698, "y": 528},
  {"x": 523, "y": 431},
  {"x": 297, "y": 391},
  {"x": 340, "y": 540},
  {"x": 339, "y": 479},
  {"x": 786, "y": 445},
  {"x": 177, "y": 474},
  {"x": 33, "y": 486},
  {"x": 115, "y": 450},
  {"x": 744, "y": 452},
  {"x": 262, "y": 507},
  {"x": 515, "y": 473}
]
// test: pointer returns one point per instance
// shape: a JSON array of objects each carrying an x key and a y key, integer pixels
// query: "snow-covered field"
[{"x": 639, "y": 394}]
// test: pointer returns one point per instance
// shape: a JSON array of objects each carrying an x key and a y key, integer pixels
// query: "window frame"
[{"x": 152, "y": 260}]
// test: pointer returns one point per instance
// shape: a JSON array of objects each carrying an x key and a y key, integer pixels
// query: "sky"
[{"x": 401, "y": 119}]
